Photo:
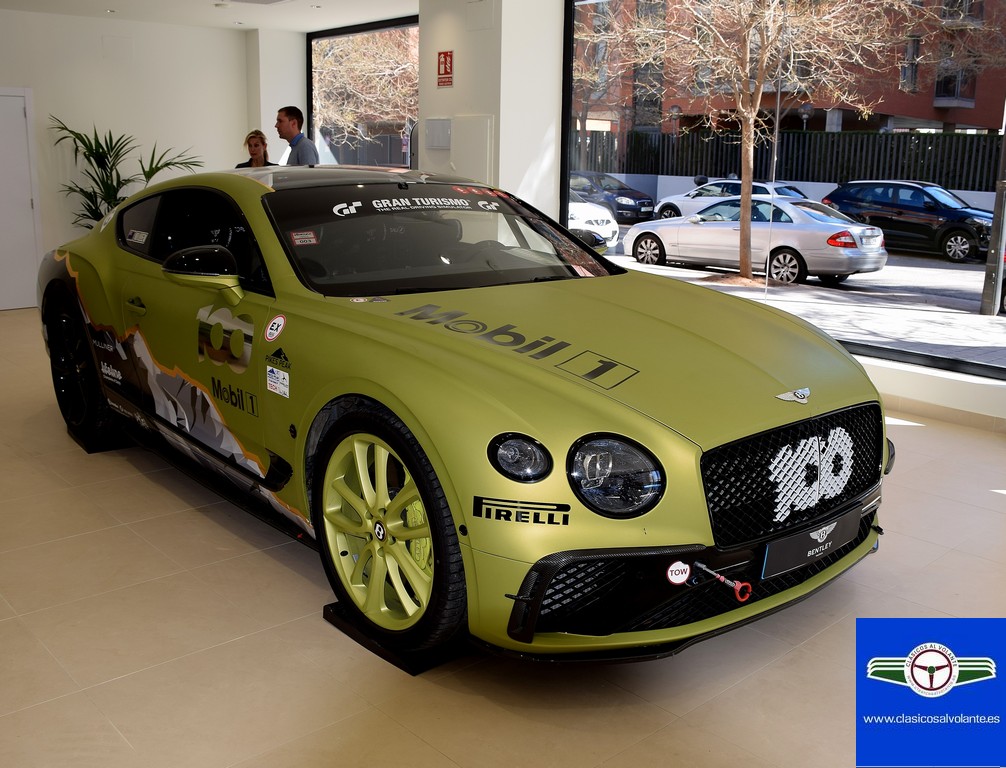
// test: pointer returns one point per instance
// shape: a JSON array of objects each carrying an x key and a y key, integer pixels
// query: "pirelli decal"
[{"x": 525, "y": 512}]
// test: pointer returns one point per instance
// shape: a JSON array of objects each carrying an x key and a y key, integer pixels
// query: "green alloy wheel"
[{"x": 386, "y": 535}]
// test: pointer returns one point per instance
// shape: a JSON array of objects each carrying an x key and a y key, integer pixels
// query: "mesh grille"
[
  {"x": 622, "y": 593},
  {"x": 762, "y": 485}
]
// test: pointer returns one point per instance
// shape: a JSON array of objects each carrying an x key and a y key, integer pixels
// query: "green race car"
[{"x": 488, "y": 429}]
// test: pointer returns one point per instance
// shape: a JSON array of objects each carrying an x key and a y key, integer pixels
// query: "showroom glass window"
[
  {"x": 631, "y": 113},
  {"x": 364, "y": 92}
]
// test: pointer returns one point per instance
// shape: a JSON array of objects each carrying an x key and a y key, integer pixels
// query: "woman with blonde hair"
[{"x": 258, "y": 155}]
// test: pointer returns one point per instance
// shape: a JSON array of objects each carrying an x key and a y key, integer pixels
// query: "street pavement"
[{"x": 932, "y": 310}]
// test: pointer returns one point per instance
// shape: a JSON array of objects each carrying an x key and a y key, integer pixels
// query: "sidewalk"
[
  {"x": 939, "y": 331},
  {"x": 938, "y": 326}
]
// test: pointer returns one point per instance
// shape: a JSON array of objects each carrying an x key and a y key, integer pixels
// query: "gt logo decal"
[
  {"x": 815, "y": 469},
  {"x": 224, "y": 338},
  {"x": 346, "y": 209}
]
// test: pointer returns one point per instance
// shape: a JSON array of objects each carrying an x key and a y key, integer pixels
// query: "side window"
[
  {"x": 911, "y": 196},
  {"x": 579, "y": 184},
  {"x": 191, "y": 217},
  {"x": 728, "y": 211},
  {"x": 136, "y": 226},
  {"x": 731, "y": 189}
]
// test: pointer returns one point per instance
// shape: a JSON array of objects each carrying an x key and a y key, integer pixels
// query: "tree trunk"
[{"x": 747, "y": 173}]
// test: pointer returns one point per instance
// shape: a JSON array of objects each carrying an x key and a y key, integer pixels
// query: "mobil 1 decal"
[{"x": 591, "y": 367}]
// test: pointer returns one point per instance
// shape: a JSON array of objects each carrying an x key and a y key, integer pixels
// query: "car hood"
[
  {"x": 699, "y": 362},
  {"x": 979, "y": 212}
]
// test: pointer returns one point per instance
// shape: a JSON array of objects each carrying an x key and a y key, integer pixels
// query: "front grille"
[
  {"x": 772, "y": 482},
  {"x": 605, "y": 592}
]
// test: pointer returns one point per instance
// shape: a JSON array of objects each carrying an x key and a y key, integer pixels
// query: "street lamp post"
[{"x": 805, "y": 111}]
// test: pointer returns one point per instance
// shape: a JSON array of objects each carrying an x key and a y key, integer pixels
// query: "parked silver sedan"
[{"x": 796, "y": 237}]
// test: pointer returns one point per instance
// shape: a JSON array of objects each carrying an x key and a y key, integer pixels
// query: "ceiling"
[{"x": 285, "y": 15}]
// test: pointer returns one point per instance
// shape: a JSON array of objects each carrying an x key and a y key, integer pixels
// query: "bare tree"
[
  {"x": 366, "y": 84},
  {"x": 726, "y": 55}
]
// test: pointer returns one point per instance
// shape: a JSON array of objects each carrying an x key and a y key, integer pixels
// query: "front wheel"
[
  {"x": 960, "y": 246},
  {"x": 786, "y": 266},
  {"x": 649, "y": 250},
  {"x": 669, "y": 212},
  {"x": 385, "y": 533}
]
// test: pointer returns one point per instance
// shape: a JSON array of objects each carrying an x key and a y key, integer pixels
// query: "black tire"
[
  {"x": 832, "y": 281},
  {"x": 649, "y": 250},
  {"x": 404, "y": 590},
  {"x": 668, "y": 212},
  {"x": 959, "y": 246},
  {"x": 787, "y": 266},
  {"x": 84, "y": 407}
]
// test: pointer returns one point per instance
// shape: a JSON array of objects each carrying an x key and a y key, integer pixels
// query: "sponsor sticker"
[
  {"x": 275, "y": 327},
  {"x": 928, "y": 692},
  {"x": 305, "y": 237},
  {"x": 277, "y": 381}
]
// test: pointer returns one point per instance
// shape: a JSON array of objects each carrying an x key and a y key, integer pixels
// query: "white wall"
[
  {"x": 180, "y": 87},
  {"x": 277, "y": 74},
  {"x": 504, "y": 102}
]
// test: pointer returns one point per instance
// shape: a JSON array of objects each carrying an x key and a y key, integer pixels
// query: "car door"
[
  {"x": 715, "y": 238},
  {"x": 919, "y": 218},
  {"x": 198, "y": 351}
]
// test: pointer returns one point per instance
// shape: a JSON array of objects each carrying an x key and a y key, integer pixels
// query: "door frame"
[{"x": 29, "y": 117}]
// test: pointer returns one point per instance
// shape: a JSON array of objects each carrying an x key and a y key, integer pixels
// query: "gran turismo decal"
[
  {"x": 816, "y": 468},
  {"x": 346, "y": 209},
  {"x": 225, "y": 338},
  {"x": 526, "y": 512},
  {"x": 600, "y": 370},
  {"x": 420, "y": 204}
]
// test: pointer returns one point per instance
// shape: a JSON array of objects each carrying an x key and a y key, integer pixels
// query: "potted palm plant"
[{"x": 104, "y": 158}]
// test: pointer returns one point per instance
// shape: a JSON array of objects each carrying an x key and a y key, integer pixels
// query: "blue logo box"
[{"x": 929, "y": 693}]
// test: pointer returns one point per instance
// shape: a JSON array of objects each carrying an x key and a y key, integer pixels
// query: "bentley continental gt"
[{"x": 491, "y": 432}]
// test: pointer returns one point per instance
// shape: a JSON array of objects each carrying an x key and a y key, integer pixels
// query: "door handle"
[{"x": 136, "y": 306}]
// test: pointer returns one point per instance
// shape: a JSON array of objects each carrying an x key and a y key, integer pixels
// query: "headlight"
[
  {"x": 613, "y": 477},
  {"x": 625, "y": 201},
  {"x": 974, "y": 221},
  {"x": 519, "y": 457}
]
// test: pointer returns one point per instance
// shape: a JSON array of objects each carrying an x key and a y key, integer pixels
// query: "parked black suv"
[
  {"x": 624, "y": 202},
  {"x": 917, "y": 216}
]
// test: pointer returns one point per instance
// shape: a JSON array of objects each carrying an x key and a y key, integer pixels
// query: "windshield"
[
  {"x": 373, "y": 239},
  {"x": 611, "y": 184},
  {"x": 946, "y": 198}
]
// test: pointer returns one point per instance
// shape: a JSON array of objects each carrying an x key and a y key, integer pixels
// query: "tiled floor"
[{"x": 146, "y": 622}]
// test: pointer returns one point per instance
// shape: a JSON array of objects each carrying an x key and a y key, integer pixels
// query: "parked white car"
[
  {"x": 592, "y": 217},
  {"x": 694, "y": 201},
  {"x": 794, "y": 237}
]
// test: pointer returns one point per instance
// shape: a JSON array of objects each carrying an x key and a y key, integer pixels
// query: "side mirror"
[
  {"x": 206, "y": 266},
  {"x": 695, "y": 219}
]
